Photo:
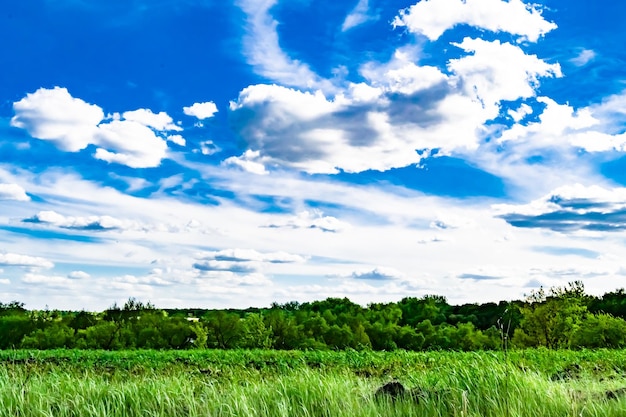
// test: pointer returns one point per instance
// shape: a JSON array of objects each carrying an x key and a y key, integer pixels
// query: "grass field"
[{"x": 334, "y": 384}]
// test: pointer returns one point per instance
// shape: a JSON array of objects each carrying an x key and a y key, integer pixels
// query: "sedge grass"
[{"x": 311, "y": 384}]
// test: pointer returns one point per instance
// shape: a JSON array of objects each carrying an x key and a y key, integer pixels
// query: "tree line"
[{"x": 560, "y": 317}]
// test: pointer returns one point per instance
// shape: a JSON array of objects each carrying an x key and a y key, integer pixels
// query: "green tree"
[
  {"x": 551, "y": 320},
  {"x": 255, "y": 334},
  {"x": 56, "y": 335},
  {"x": 224, "y": 330},
  {"x": 13, "y": 328},
  {"x": 103, "y": 335},
  {"x": 286, "y": 333},
  {"x": 600, "y": 331}
]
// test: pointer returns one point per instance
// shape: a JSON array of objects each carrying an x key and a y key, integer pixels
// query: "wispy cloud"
[
  {"x": 359, "y": 15},
  {"x": 312, "y": 219},
  {"x": 571, "y": 209},
  {"x": 583, "y": 58},
  {"x": 262, "y": 49}
]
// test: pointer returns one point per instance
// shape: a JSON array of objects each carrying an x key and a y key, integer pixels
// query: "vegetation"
[
  {"x": 562, "y": 317},
  {"x": 219, "y": 383},
  {"x": 416, "y": 357}
]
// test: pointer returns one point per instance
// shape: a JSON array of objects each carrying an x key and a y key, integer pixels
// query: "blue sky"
[{"x": 232, "y": 154}]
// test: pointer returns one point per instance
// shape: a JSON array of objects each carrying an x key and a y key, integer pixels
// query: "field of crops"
[{"x": 315, "y": 383}]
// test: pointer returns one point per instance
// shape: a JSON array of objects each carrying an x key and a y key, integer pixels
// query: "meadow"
[{"x": 269, "y": 383}]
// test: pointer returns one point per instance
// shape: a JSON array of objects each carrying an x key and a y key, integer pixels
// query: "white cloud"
[
  {"x": 403, "y": 109},
  {"x": 377, "y": 274},
  {"x": 177, "y": 139},
  {"x": 13, "y": 192},
  {"x": 201, "y": 110},
  {"x": 78, "y": 275},
  {"x": 571, "y": 209},
  {"x": 235, "y": 267},
  {"x": 452, "y": 221},
  {"x": 12, "y": 259},
  {"x": 379, "y": 217},
  {"x": 251, "y": 255},
  {"x": 208, "y": 147},
  {"x": 72, "y": 124},
  {"x": 312, "y": 219},
  {"x": 583, "y": 58},
  {"x": 289, "y": 128},
  {"x": 250, "y": 161},
  {"x": 561, "y": 126},
  {"x": 53, "y": 218},
  {"x": 400, "y": 75},
  {"x": 129, "y": 143},
  {"x": 54, "y": 115},
  {"x": 160, "y": 121},
  {"x": 130, "y": 281},
  {"x": 359, "y": 15},
  {"x": 230, "y": 283},
  {"x": 519, "y": 114},
  {"x": 263, "y": 51},
  {"x": 381, "y": 124},
  {"x": 54, "y": 281},
  {"x": 498, "y": 71},
  {"x": 432, "y": 18}
]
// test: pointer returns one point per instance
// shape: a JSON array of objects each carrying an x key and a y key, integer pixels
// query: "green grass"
[{"x": 293, "y": 384}]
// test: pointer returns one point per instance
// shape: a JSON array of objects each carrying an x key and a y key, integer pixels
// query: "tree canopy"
[{"x": 559, "y": 317}]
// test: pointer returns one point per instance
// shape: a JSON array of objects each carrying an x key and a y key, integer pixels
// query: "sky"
[{"x": 229, "y": 154}]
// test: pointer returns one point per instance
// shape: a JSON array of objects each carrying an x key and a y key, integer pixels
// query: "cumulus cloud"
[
  {"x": 391, "y": 120},
  {"x": 160, "y": 121},
  {"x": 312, "y": 219},
  {"x": 12, "y": 259},
  {"x": 125, "y": 282},
  {"x": 54, "y": 115},
  {"x": 228, "y": 281},
  {"x": 306, "y": 131},
  {"x": 129, "y": 143},
  {"x": 246, "y": 262},
  {"x": 177, "y": 139},
  {"x": 432, "y": 18},
  {"x": 571, "y": 209},
  {"x": 451, "y": 222},
  {"x": 359, "y": 15},
  {"x": 208, "y": 147},
  {"x": 596, "y": 128},
  {"x": 201, "y": 110},
  {"x": 377, "y": 274},
  {"x": 102, "y": 223},
  {"x": 251, "y": 255},
  {"x": 55, "y": 281},
  {"x": 481, "y": 274},
  {"x": 400, "y": 75},
  {"x": 13, "y": 192},
  {"x": 250, "y": 161},
  {"x": 78, "y": 275},
  {"x": 519, "y": 114},
  {"x": 133, "y": 139},
  {"x": 498, "y": 71}
]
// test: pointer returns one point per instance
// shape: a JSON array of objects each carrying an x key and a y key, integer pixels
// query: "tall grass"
[{"x": 294, "y": 384}]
